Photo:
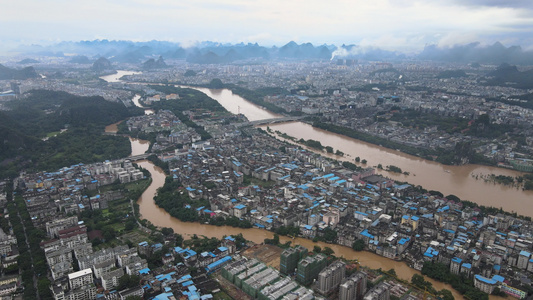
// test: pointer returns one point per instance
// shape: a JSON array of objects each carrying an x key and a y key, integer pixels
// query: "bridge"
[
  {"x": 139, "y": 157},
  {"x": 270, "y": 121}
]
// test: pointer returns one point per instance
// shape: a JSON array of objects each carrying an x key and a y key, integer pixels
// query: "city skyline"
[{"x": 391, "y": 25}]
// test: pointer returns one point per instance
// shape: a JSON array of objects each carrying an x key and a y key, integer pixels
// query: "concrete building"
[
  {"x": 309, "y": 267},
  {"x": 289, "y": 259},
  {"x": 379, "y": 292},
  {"x": 353, "y": 287},
  {"x": 330, "y": 278},
  {"x": 86, "y": 292},
  {"x": 80, "y": 278},
  {"x": 484, "y": 284},
  {"x": 523, "y": 259}
]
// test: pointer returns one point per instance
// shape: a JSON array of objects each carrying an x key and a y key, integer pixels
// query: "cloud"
[
  {"x": 409, "y": 24},
  {"x": 457, "y": 38}
]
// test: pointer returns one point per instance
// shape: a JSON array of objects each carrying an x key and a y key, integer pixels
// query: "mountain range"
[{"x": 214, "y": 53}]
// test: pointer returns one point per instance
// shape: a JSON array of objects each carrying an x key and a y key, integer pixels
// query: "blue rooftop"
[
  {"x": 457, "y": 260},
  {"x": 240, "y": 206}
]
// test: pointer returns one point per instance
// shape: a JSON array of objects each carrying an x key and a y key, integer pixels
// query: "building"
[
  {"x": 309, "y": 267},
  {"x": 455, "y": 266},
  {"x": 523, "y": 259},
  {"x": 379, "y": 292},
  {"x": 289, "y": 259},
  {"x": 80, "y": 278},
  {"x": 484, "y": 284},
  {"x": 330, "y": 278},
  {"x": 87, "y": 292},
  {"x": 134, "y": 291},
  {"x": 353, "y": 287},
  {"x": 111, "y": 279}
]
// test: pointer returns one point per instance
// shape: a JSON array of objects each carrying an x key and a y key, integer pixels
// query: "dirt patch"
[
  {"x": 268, "y": 254},
  {"x": 230, "y": 289}
]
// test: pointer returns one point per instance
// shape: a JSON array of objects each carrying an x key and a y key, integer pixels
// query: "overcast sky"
[{"x": 390, "y": 24}]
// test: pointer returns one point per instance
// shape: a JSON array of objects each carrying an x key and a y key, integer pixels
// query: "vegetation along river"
[
  {"x": 457, "y": 180},
  {"x": 159, "y": 217}
]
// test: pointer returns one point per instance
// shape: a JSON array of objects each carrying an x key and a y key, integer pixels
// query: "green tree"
[
  {"x": 328, "y": 251},
  {"x": 128, "y": 281},
  {"x": 357, "y": 159},
  {"x": 317, "y": 249},
  {"x": 358, "y": 245},
  {"x": 446, "y": 294},
  {"x": 329, "y": 149},
  {"x": 216, "y": 84},
  {"x": 166, "y": 231}
]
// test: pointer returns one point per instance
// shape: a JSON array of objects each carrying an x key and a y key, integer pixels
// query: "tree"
[
  {"x": 453, "y": 198},
  {"x": 329, "y": 149},
  {"x": 317, "y": 249},
  {"x": 328, "y": 251},
  {"x": 358, "y": 245},
  {"x": 330, "y": 235},
  {"x": 166, "y": 231},
  {"x": 216, "y": 84},
  {"x": 128, "y": 281},
  {"x": 357, "y": 159},
  {"x": 446, "y": 294},
  {"x": 108, "y": 233},
  {"x": 363, "y": 161}
]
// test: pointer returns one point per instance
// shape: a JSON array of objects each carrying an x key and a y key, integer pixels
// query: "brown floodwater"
[
  {"x": 237, "y": 104},
  {"x": 116, "y": 77},
  {"x": 113, "y": 128},
  {"x": 159, "y": 217},
  {"x": 457, "y": 180}
]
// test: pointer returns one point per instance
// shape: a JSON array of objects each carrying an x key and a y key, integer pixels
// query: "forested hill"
[
  {"x": 46, "y": 111},
  {"x": 32, "y": 137},
  {"x": 7, "y": 73}
]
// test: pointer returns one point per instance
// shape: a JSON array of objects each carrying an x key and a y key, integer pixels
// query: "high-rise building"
[
  {"x": 309, "y": 267},
  {"x": 289, "y": 259},
  {"x": 353, "y": 287},
  {"x": 80, "y": 278},
  {"x": 330, "y": 278},
  {"x": 379, "y": 292}
]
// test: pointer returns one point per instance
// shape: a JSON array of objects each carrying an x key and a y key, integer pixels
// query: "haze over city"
[
  {"x": 295, "y": 150},
  {"x": 391, "y": 25}
]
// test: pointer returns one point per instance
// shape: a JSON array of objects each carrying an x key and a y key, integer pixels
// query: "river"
[
  {"x": 159, "y": 217},
  {"x": 116, "y": 77},
  {"x": 456, "y": 180},
  {"x": 135, "y": 100}
]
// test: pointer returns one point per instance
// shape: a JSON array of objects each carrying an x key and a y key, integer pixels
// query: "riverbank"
[{"x": 160, "y": 218}]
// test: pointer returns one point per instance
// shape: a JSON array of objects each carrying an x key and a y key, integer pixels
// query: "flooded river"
[
  {"x": 159, "y": 217},
  {"x": 116, "y": 77},
  {"x": 430, "y": 175},
  {"x": 457, "y": 180}
]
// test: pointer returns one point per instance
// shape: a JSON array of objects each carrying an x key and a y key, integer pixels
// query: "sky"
[{"x": 404, "y": 25}]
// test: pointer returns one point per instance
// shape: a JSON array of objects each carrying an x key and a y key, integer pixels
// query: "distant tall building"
[
  {"x": 309, "y": 267},
  {"x": 379, "y": 292},
  {"x": 330, "y": 278},
  {"x": 289, "y": 259},
  {"x": 353, "y": 287},
  {"x": 15, "y": 87}
]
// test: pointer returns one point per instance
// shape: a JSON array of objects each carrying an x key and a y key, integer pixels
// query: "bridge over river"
[{"x": 270, "y": 121}]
